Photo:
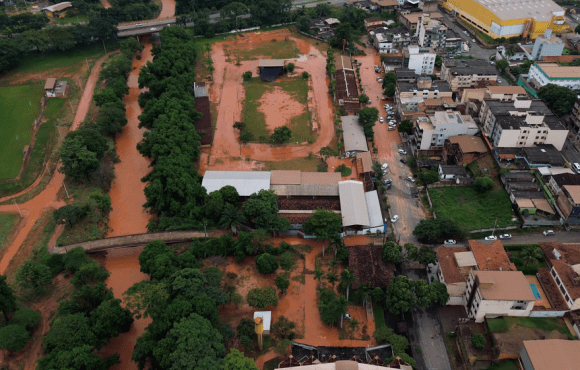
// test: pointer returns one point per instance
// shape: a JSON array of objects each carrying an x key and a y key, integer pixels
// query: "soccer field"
[{"x": 19, "y": 107}]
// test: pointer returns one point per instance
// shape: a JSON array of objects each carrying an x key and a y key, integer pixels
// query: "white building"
[
  {"x": 432, "y": 33},
  {"x": 432, "y": 131},
  {"x": 541, "y": 74},
  {"x": 545, "y": 45},
  {"x": 491, "y": 294},
  {"x": 521, "y": 123},
  {"x": 421, "y": 62},
  {"x": 384, "y": 43}
]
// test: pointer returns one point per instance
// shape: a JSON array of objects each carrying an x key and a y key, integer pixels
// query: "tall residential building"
[
  {"x": 464, "y": 73},
  {"x": 432, "y": 33},
  {"x": 541, "y": 74},
  {"x": 432, "y": 131},
  {"x": 419, "y": 61},
  {"x": 544, "y": 46},
  {"x": 408, "y": 95},
  {"x": 521, "y": 123}
]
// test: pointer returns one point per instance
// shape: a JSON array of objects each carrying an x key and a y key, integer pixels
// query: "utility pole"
[
  {"x": 104, "y": 45},
  {"x": 63, "y": 184},
  {"x": 18, "y": 208}
]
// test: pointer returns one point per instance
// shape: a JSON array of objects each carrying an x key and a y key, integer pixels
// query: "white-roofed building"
[
  {"x": 376, "y": 223},
  {"x": 353, "y": 203},
  {"x": 245, "y": 182},
  {"x": 354, "y": 136},
  {"x": 266, "y": 320}
]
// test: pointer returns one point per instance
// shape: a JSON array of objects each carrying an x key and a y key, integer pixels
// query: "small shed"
[
  {"x": 266, "y": 320},
  {"x": 270, "y": 69},
  {"x": 49, "y": 87},
  {"x": 57, "y": 10}
]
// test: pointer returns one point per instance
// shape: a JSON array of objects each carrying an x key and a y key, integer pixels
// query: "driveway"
[{"x": 387, "y": 142}]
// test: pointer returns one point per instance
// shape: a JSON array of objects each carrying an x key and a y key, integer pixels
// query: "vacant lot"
[
  {"x": 19, "y": 106},
  {"x": 261, "y": 117},
  {"x": 269, "y": 48},
  {"x": 471, "y": 209}
]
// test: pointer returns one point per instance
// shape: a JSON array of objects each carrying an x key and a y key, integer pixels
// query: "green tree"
[
  {"x": 438, "y": 61},
  {"x": 559, "y": 99},
  {"x": 429, "y": 231},
  {"x": 400, "y": 296},
  {"x": 157, "y": 260},
  {"x": 290, "y": 67},
  {"x": 423, "y": 293},
  {"x": 347, "y": 277},
  {"x": 406, "y": 126},
  {"x": 440, "y": 294},
  {"x": 27, "y": 318},
  {"x": 478, "y": 341},
  {"x": 318, "y": 274},
  {"x": 247, "y": 76},
  {"x": 392, "y": 252},
  {"x": 68, "y": 332},
  {"x": 367, "y": 117},
  {"x": 89, "y": 273},
  {"x": 235, "y": 360},
  {"x": 530, "y": 255},
  {"x": 232, "y": 12},
  {"x": 483, "y": 184},
  {"x": 13, "y": 337},
  {"x": 377, "y": 295},
  {"x": 344, "y": 31},
  {"x": 281, "y": 135},
  {"x": 389, "y": 78},
  {"x": 282, "y": 283},
  {"x": 232, "y": 218},
  {"x": 502, "y": 64},
  {"x": 511, "y": 51},
  {"x": 262, "y": 208},
  {"x": 305, "y": 75},
  {"x": 77, "y": 161},
  {"x": 577, "y": 29},
  {"x": 283, "y": 328},
  {"x": 69, "y": 215},
  {"x": 428, "y": 176},
  {"x": 390, "y": 89},
  {"x": 266, "y": 263},
  {"x": 286, "y": 261},
  {"x": 323, "y": 224},
  {"x": 246, "y": 137},
  {"x": 230, "y": 194},
  {"x": 262, "y": 298},
  {"x": 109, "y": 320},
  {"x": 303, "y": 23},
  {"x": 7, "y": 299},
  {"x": 363, "y": 99},
  {"x": 332, "y": 277},
  {"x": 82, "y": 357},
  {"x": 283, "y": 347},
  {"x": 426, "y": 256},
  {"x": 326, "y": 152},
  {"x": 34, "y": 276}
]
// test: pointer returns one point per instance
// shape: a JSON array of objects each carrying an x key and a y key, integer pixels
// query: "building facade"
[
  {"x": 541, "y": 74},
  {"x": 465, "y": 73},
  {"x": 430, "y": 132},
  {"x": 546, "y": 45},
  {"x": 421, "y": 62},
  {"x": 432, "y": 33}
]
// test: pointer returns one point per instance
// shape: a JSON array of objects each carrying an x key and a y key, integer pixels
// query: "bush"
[
  {"x": 13, "y": 337},
  {"x": 478, "y": 341},
  {"x": 262, "y": 298},
  {"x": 290, "y": 67},
  {"x": 286, "y": 261},
  {"x": 266, "y": 263},
  {"x": 246, "y": 328},
  {"x": 344, "y": 170},
  {"x": 305, "y": 75},
  {"x": 74, "y": 259},
  {"x": 483, "y": 184},
  {"x": 27, "y": 318},
  {"x": 247, "y": 76},
  {"x": 282, "y": 283}
]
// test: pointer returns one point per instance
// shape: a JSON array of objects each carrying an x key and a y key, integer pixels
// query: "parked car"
[
  {"x": 384, "y": 166},
  {"x": 473, "y": 40},
  {"x": 387, "y": 181},
  {"x": 391, "y": 128},
  {"x": 402, "y": 151},
  {"x": 368, "y": 102},
  {"x": 491, "y": 237},
  {"x": 385, "y": 172},
  {"x": 410, "y": 179},
  {"x": 549, "y": 232},
  {"x": 403, "y": 161},
  {"x": 390, "y": 117},
  {"x": 153, "y": 29},
  {"x": 381, "y": 119},
  {"x": 492, "y": 63},
  {"x": 386, "y": 106},
  {"x": 499, "y": 80},
  {"x": 347, "y": 316},
  {"x": 505, "y": 236},
  {"x": 394, "y": 218},
  {"x": 392, "y": 122},
  {"x": 450, "y": 241},
  {"x": 379, "y": 79}
]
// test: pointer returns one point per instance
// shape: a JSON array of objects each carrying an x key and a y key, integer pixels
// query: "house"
[
  {"x": 564, "y": 265},
  {"x": 550, "y": 354},
  {"x": 542, "y": 155},
  {"x": 57, "y": 10},
  {"x": 428, "y": 6},
  {"x": 353, "y": 134},
  {"x": 411, "y": 19},
  {"x": 361, "y": 211},
  {"x": 447, "y": 172},
  {"x": 54, "y": 88},
  {"x": 521, "y": 123},
  {"x": 514, "y": 53},
  {"x": 324, "y": 27},
  {"x": 393, "y": 62},
  {"x": 547, "y": 44},
  {"x": 373, "y": 22},
  {"x": 463, "y": 149},
  {"x": 366, "y": 262},
  {"x": 412, "y": 96},
  {"x": 464, "y": 73},
  {"x": 557, "y": 181},
  {"x": 203, "y": 125},
  {"x": 266, "y": 317},
  {"x": 383, "y": 42},
  {"x": 491, "y": 257},
  {"x": 270, "y": 69},
  {"x": 386, "y": 4},
  {"x": 432, "y": 131},
  {"x": 454, "y": 43},
  {"x": 491, "y": 294},
  {"x": 568, "y": 203},
  {"x": 432, "y": 33},
  {"x": 510, "y": 93},
  {"x": 421, "y": 60},
  {"x": 245, "y": 182},
  {"x": 405, "y": 75},
  {"x": 541, "y": 74}
]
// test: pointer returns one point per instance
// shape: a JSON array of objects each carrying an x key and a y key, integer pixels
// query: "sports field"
[{"x": 19, "y": 106}]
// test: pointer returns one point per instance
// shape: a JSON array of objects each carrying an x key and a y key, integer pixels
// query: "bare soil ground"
[{"x": 279, "y": 108}]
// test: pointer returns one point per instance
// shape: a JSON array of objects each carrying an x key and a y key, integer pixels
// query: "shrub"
[
  {"x": 282, "y": 283},
  {"x": 246, "y": 328},
  {"x": 483, "y": 184},
  {"x": 27, "y": 318},
  {"x": 344, "y": 170},
  {"x": 262, "y": 298},
  {"x": 305, "y": 75},
  {"x": 13, "y": 337},
  {"x": 266, "y": 263},
  {"x": 287, "y": 261},
  {"x": 290, "y": 67},
  {"x": 478, "y": 341},
  {"x": 247, "y": 76}
]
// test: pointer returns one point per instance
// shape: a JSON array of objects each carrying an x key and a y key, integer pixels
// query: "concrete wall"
[
  {"x": 525, "y": 360},
  {"x": 547, "y": 313},
  {"x": 491, "y": 309}
]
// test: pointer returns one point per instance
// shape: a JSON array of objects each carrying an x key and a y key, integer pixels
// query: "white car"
[
  {"x": 381, "y": 119},
  {"x": 391, "y": 128},
  {"x": 392, "y": 124},
  {"x": 403, "y": 152},
  {"x": 505, "y": 236},
  {"x": 473, "y": 40},
  {"x": 384, "y": 166},
  {"x": 499, "y": 80},
  {"x": 379, "y": 79},
  {"x": 410, "y": 179},
  {"x": 387, "y": 181},
  {"x": 491, "y": 237},
  {"x": 395, "y": 218},
  {"x": 492, "y": 63},
  {"x": 549, "y": 232},
  {"x": 450, "y": 241}
]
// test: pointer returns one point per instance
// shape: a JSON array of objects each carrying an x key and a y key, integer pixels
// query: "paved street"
[
  {"x": 560, "y": 237},
  {"x": 474, "y": 48}
]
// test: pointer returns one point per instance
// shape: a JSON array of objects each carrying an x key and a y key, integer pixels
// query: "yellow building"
[{"x": 510, "y": 18}]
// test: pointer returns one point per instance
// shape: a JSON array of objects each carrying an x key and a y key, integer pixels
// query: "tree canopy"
[{"x": 560, "y": 99}]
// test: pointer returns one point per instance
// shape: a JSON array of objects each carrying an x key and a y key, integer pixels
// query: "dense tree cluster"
[
  {"x": 559, "y": 99},
  {"x": 431, "y": 231},
  {"x": 404, "y": 294},
  {"x": 21, "y": 22},
  {"x": 367, "y": 118}
]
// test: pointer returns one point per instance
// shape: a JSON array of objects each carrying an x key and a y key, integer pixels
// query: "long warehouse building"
[{"x": 510, "y": 18}]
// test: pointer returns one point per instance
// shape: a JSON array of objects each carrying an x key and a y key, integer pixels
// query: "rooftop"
[
  {"x": 506, "y": 90},
  {"x": 539, "y": 10},
  {"x": 440, "y": 86},
  {"x": 353, "y": 204},
  {"x": 549, "y": 354},
  {"x": 448, "y": 264},
  {"x": 465, "y": 259},
  {"x": 385, "y": 2},
  {"x": 492, "y": 257},
  {"x": 566, "y": 179},
  {"x": 554, "y": 70},
  {"x": 574, "y": 192},
  {"x": 368, "y": 265},
  {"x": 544, "y": 153},
  {"x": 58, "y": 7},
  {"x": 469, "y": 66},
  {"x": 353, "y": 133},
  {"x": 297, "y": 183},
  {"x": 405, "y": 73},
  {"x": 50, "y": 83},
  {"x": 245, "y": 182},
  {"x": 271, "y": 63},
  {"x": 504, "y": 286},
  {"x": 468, "y": 143},
  {"x": 567, "y": 255},
  {"x": 498, "y": 107},
  {"x": 453, "y": 170},
  {"x": 367, "y": 161},
  {"x": 374, "y": 209}
]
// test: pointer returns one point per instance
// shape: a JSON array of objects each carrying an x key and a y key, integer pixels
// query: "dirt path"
[
  {"x": 32, "y": 186},
  {"x": 167, "y": 9},
  {"x": 105, "y": 4},
  {"x": 228, "y": 92},
  {"x": 32, "y": 209},
  {"x": 127, "y": 197}
]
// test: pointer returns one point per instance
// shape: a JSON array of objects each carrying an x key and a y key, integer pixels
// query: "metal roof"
[
  {"x": 58, "y": 7},
  {"x": 50, "y": 82},
  {"x": 353, "y": 133},
  {"x": 323, "y": 190},
  {"x": 271, "y": 63},
  {"x": 285, "y": 177},
  {"x": 245, "y": 182},
  {"x": 367, "y": 161},
  {"x": 374, "y": 209},
  {"x": 353, "y": 205}
]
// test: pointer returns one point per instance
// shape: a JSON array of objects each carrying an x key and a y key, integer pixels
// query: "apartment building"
[
  {"x": 411, "y": 96},
  {"x": 576, "y": 117},
  {"x": 545, "y": 45},
  {"x": 454, "y": 44},
  {"x": 383, "y": 42},
  {"x": 568, "y": 203},
  {"x": 541, "y": 74},
  {"x": 494, "y": 92},
  {"x": 491, "y": 294},
  {"x": 521, "y": 123},
  {"x": 432, "y": 33},
  {"x": 431, "y": 132},
  {"x": 513, "y": 53},
  {"x": 564, "y": 264},
  {"x": 465, "y": 73},
  {"x": 421, "y": 60}
]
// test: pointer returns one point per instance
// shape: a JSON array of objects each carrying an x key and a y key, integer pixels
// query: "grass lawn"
[
  {"x": 255, "y": 120},
  {"x": 19, "y": 107},
  {"x": 547, "y": 324},
  {"x": 379, "y": 316},
  {"x": 8, "y": 223},
  {"x": 505, "y": 365},
  {"x": 471, "y": 209},
  {"x": 280, "y": 49},
  {"x": 303, "y": 164},
  {"x": 71, "y": 19}
]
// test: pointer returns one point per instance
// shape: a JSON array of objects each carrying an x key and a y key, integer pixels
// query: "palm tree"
[
  {"x": 318, "y": 274},
  {"x": 342, "y": 304},
  {"x": 231, "y": 218},
  {"x": 530, "y": 255},
  {"x": 336, "y": 242},
  {"x": 353, "y": 325},
  {"x": 347, "y": 278},
  {"x": 333, "y": 264},
  {"x": 511, "y": 51},
  {"x": 332, "y": 278}
]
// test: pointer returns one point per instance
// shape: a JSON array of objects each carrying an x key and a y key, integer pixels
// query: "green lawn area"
[
  {"x": 505, "y": 365},
  {"x": 470, "y": 209},
  {"x": 548, "y": 324},
  {"x": 281, "y": 49},
  {"x": 303, "y": 164},
  {"x": 73, "y": 19},
  {"x": 19, "y": 107},
  {"x": 256, "y": 121},
  {"x": 8, "y": 223},
  {"x": 379, "y": 316}
]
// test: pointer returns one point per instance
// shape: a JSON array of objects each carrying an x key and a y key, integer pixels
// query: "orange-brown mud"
[
  {"x": 105, "y": 4},
  {"x": 279, "y": 108},
  {"x": 32, "y": 209},
  {"x": 228, "y": 93},
  {"x": 334, "y": 162},
  {"x": 167, "y": 9},
  {"x": 127, "y": 197},
  {"x": 123, "y": 265}
]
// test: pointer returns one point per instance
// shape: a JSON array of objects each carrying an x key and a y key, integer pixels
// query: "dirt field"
[{"x": 279, "y": 108}]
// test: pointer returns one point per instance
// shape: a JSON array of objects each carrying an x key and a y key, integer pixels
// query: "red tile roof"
[
  {"x": 448, "y": 264},
  {"x": 492, "y": 257}
]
